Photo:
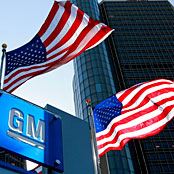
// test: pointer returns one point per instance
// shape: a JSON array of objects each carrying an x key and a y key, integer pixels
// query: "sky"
[{"x": 20, "y": 22}]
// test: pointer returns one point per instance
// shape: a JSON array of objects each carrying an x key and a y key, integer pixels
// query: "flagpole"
[
  {"x": 93, "y": 137},
  {"x": 4, "y": 46}
]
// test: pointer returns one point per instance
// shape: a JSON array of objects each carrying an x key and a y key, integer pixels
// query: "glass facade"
[
  {"x": 12, "y": 159},
  {"x": 93, "y": 77},
  {"x": 143, "y": 39},
  {"x": 142, "y": 49},
  {"x": 93, "y": 80}
]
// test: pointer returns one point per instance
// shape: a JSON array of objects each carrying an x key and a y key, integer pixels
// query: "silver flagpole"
[
  {"x": 4, "y": 46},
  {"x": 93, "y": 137}
]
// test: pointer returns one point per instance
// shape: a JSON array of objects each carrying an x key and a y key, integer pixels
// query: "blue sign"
[{"x": 30, "y": 131}]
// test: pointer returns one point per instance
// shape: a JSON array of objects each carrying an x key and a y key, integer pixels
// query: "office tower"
[
  {"x": 93, "y": 79},
  {"x": 142, "y": 49}
]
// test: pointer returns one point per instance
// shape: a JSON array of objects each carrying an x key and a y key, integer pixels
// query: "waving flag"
[
  {"x": 66, "y": 33},
  {"x": 138, "y": 112}
]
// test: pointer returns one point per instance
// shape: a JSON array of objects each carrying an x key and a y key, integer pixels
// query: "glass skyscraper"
[
  {"x": 140, "y": 49},
  {"x": 93, "y": 79},
  {"x": 142, "y": 44}
]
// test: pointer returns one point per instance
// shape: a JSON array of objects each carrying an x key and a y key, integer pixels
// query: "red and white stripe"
[
  {"x": 66, "y": 33},
  {"x": 38, "y": 169},
  {"x": 147, "y": 108}
]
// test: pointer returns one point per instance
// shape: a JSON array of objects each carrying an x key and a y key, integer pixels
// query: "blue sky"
[{"x": 20, "y": 21}]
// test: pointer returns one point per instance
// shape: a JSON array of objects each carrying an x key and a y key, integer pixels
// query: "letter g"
[{"x": 18, "y": 127}]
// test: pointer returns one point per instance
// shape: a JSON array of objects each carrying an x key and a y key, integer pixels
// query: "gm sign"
[
  {"x": 30, "y": 131},
  {"x": 16, "y": 124}
]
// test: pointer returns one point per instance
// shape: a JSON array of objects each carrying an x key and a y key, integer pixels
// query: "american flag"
[
  {"x": 66, "y": 33},
  {"x": 138, "y": 112}
]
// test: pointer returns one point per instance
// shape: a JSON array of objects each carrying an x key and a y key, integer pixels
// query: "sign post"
[{"x": 4, "y": 46}]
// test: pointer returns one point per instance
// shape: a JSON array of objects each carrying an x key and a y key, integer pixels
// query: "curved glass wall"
[{"x": 93, "y": 80}]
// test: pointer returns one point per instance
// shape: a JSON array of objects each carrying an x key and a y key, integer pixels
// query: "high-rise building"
[
  {"x": 140, "y": 49},
  {"x": 93, "y": 79}
]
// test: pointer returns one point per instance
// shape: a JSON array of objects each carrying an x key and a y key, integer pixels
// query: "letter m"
[{"x": 34, "y": 132}]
